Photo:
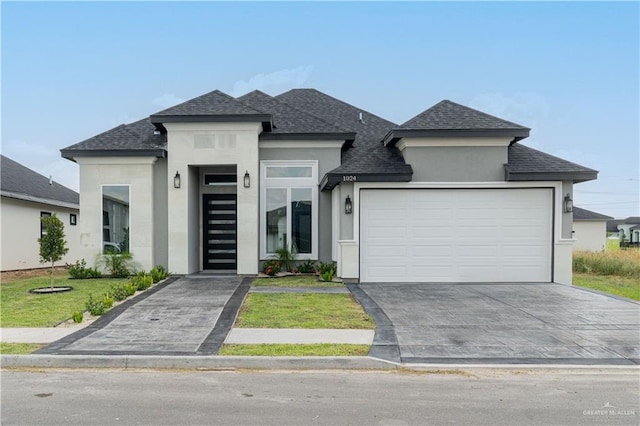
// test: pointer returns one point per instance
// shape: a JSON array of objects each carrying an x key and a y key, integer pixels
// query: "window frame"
[
  {"x": 289, "y": 183},
  {"x": 43, "y": 229},
  {"x": 102, "y": 226}
]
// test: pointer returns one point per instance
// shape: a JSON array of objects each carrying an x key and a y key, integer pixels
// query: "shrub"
[
  {"x": 307, "y": 267},
  {"x": 79, "y": 271},
  {"x": 624, "y": 263},
  {"x": 142, "y": 280},
  {"x": 271, "y": 267},
  {"x": 286, "y": 256},
  {"x": 159, "y": 273},
  {"x": 118, "y": 292},
  {"x": 107, "y": 300},
  {"x": 118, "y": 265},
  {"x": 130, "y": 288},
  {"x": 95, "y": 307},
  {"x": 77, "y": 316},
  {"x": 327, "y": 270}
]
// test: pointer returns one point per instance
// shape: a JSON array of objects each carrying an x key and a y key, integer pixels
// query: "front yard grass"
[
  {"x": 19, "y": 348},
  {"x": 621, "y": 286},
  {"x": 320, "y": 349},
  {"x": 23, "y": 309},
  {"x": 311, "y": 310},
  {"x": 294, "y": 281}
]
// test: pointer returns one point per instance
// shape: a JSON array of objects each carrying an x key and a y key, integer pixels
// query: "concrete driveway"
[{"x": 501, "y": 323}]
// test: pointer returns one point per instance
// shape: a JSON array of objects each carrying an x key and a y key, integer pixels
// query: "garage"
[{"x": 456, "y": 235}]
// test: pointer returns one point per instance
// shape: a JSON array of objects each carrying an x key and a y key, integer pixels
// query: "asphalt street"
[{"x": 471, "y": 396}]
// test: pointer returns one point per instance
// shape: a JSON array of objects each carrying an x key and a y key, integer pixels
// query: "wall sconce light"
[
  {"x": 247, "y": 179},
  {"x": 176, "y": 180},
  {"x": 568, "y": 203},
  {"x": 348, "y": 206}
]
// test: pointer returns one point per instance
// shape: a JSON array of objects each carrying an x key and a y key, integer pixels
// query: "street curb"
[
  {"x": 193, "y": 362},
  {"x": 214, "y": 362}
]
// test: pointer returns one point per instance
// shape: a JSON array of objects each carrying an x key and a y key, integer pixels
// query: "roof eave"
[
  {"x": 70, "y": 154},
  {"x": 575, "y": 176},
  {"x": 265, "y": 119},
  {"x": 396, "y": 134},
  {"x": 346, "y": 136},
  {"x": 34, "y": 199},
  {"x": 331, "y": 180}
]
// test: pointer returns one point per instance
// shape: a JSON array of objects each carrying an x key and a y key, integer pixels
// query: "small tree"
[{"x": 52, "y": 243}]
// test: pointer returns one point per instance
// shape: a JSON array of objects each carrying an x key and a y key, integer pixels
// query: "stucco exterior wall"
[
  {"x": 160, "y": 190},
  {"x": 590, "y": 235},
  {"x": 567, "y": 218},
  {"x": 454, "y": 160},
  {"x": 20, "y": 224},
  {"x": 193, "y": 145},
  {"x": 328, "y": 159},
  {"x": 138, "y": 174}
]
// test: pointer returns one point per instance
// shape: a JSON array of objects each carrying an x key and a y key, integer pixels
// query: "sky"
[{"x": 568, "y": 70}]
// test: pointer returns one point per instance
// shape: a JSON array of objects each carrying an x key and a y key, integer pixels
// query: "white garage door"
[{"x": 459, "y": 235}]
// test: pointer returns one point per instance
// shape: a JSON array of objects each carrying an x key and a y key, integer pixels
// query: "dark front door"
[{"x": 219, "y": 224}]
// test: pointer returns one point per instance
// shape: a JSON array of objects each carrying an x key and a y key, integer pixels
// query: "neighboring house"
[
  {"x": 628, "y": 230},
  {"x": 220, "y": 183},
  {"x": 26, "y": 197},
  {"x": 589, "y": 230}
]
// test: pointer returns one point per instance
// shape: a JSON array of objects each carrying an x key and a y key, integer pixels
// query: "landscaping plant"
[
  {"x": 95, "y": 307},
  {"x": 307, "y": 267},
  {"x": 79, "y": 271},
  {"x": 159, "y": 273},
  {"x": 77, "y": 316},
  {"x": 327, "y": 270},
  {"x": 118, "y": 265},
  {"x": 287, "y": 257},
  {"x": 271, "y": 267},
  {"x": 52, "y": 244}
]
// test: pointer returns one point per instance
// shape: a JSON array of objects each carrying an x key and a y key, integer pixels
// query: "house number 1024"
[{"x": 350, "y": 178}]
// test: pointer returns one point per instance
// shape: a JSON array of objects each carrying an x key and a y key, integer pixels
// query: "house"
[
  {"x": 628, "y": 230},
  {"x": 220, "y": 183},
  {"x": 27, "y": 196},
  {"x": 589, "y": 230}
]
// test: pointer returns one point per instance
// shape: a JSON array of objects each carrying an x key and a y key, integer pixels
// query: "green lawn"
[
  {"x": 23, "y": 309},
  {"x": 19, "y": 348},
  {"x": 621, "y": 286},
  {"x": 321, "y": 349},
  {"x": 285, "y": 310},
  {"x": 294, "y": 281}
]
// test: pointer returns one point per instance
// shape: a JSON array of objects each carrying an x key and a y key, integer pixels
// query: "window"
[
  {"x": 289, "y": 208},
  {"x": 43, "y": 229},
  {"x": 73, "y": 219},
  {"x": 115, "y": 218}
]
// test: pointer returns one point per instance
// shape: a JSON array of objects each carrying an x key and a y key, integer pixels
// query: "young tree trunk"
[{"x": 52, "y": 275}]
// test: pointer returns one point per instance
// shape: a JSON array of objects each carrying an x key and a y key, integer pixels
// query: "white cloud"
[
  {"x": 167, "y": 100},
  {"x": 45, "y": 160},
  {"x": 275, "y": 82}
]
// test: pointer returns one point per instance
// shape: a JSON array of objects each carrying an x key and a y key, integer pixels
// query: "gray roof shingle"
[
  {"x": 447, "y": 115},
  {"x": 286, "y": 118},
  {"x": 212, "y": 103},
  {"x": 368, "y": 155},
  {"x": 530, "y": 164},
  {"x": 136, "y": 136},
  {"x": 308, "y": 111},
  {"x": 584, "y": 214},
  {"x": 18, "y": 181}
]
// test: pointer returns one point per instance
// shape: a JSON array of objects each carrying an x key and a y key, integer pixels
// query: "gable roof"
[
  {"x": 18, "y": 181},
  {"x": 584, "y": 214},
  {"x": 632, "y": 220},
  {"x": 288, "y": 120},
  {"x": 448, "y": 118},
  {"x": 529, "y": 164},
  {"x": 212, "y": 106}
]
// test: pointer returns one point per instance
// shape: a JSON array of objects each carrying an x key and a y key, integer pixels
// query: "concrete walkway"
[{"x": 35, "y": 335}]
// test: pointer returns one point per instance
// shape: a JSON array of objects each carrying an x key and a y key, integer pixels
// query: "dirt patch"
[{"x": 8, "y": 276}]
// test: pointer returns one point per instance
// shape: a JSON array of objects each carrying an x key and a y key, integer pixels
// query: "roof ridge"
[{"x": 341, "y": 102}]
